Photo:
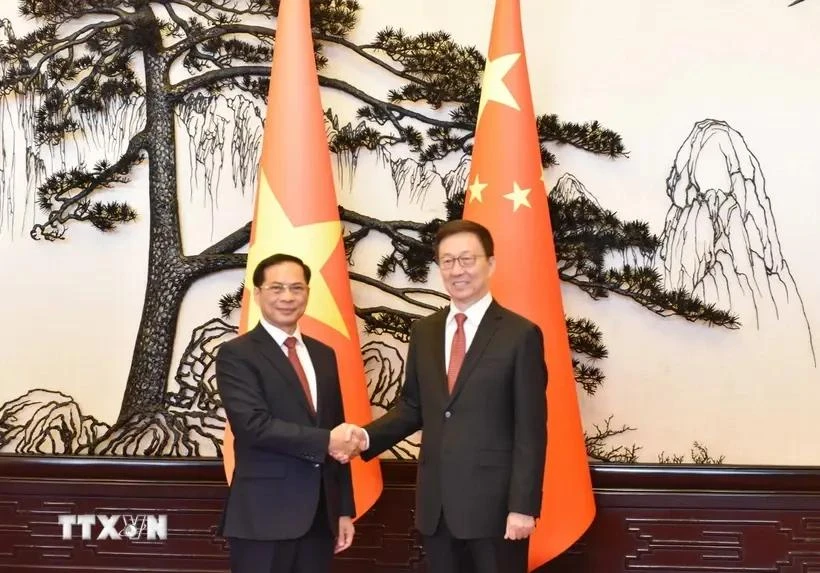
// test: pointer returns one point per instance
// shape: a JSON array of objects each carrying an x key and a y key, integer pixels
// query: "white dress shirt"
[
  {"x": 474, "y": 315},
  {"x": 279, "y": 336}
]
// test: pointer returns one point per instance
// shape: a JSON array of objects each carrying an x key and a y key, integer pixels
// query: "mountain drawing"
[{"x": 720, "y": 239}]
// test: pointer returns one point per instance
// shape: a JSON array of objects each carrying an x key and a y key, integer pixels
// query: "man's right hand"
[{"x": 346, "y": 442}]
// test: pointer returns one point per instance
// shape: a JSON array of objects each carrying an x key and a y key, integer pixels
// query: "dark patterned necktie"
[
  {"x": 290, "y": 342},
  {"x": 457, "y": 351}
]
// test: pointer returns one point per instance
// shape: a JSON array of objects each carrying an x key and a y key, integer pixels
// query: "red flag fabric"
[
  {"x": 506, "y": 193},
  {"x": 296, "y": 212}
]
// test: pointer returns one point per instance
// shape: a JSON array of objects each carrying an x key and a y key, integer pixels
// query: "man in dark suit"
[
  {"x": 290, "y": 504},
  {"x": 475, "y": 385}
]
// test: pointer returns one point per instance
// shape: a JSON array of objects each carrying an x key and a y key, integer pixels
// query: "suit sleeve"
[
  {"x": 251, "y": 420},
  {"x": 347, "y": 505},
  {"x": 529, "y": 452},
  {"x": 404, "y": 417}
]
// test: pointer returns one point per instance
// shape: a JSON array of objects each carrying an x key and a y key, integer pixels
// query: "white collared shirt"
[
  {"x": 474, "y": 315},
  {"x": 279, "y": 336}
]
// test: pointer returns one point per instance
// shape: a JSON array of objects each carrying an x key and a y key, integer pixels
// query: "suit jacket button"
[
  {"x": 315, "y": 465},
  {"x": 447, "y": 414}
]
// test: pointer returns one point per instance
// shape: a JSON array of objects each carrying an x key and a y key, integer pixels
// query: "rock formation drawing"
[{"x": 720, "y": 239}]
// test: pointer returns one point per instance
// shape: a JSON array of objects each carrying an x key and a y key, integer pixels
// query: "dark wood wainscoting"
[{"x": 650, "y": 518}]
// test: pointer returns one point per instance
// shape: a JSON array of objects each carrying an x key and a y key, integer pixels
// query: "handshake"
[{"x": 346, "y": 442}]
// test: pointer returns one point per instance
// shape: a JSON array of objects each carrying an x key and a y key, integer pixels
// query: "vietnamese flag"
[
  {"x": 295, "y": 212},
  {"x": 506, "y": 193}
]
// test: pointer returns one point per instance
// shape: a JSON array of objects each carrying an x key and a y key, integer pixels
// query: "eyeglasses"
[
  {"x": 278, "y": 289},
  {"x": 464, "y": 261}
]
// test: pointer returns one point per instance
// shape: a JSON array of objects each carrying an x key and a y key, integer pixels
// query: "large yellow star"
[
  {"x": 518, "y": 197},
  {"x": 493, "y": 87},
  {"x": 475, "y": 189},
  {"x": 313, "y": 243}
]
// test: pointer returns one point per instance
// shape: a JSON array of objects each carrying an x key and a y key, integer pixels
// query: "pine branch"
[
  {"x": 362, "y": 51},
  {"x": 586, "y": 338},
  {"x": 209, "y": 34},
  {"x": 390, "y": 228},
  {"x": 230, "y": 302},
  {"x": 34, "y": 43},
  {"x": 385, "y": 320},
  {"x": 205, "y": 264},
  {"x": 232, "y": 242},
  {"x": 55, "y": 11},
  {"x": 597, "y": 447},
  {"x": 590, "y": 137},
  {"x": 676, "y": 303},
  {"x": 401, "y": 293},
  {"x": 178, "y": 20},
  {"x": 590, "y": 378},
  {"x": 398, "y": 111},
  {"x": 58, "y": 197},
  {"x": 412, "y": 255}
]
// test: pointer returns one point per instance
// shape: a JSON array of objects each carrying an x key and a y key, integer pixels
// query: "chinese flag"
[
  {"x": 506, "y": 193},
  {"x": 295, "y": 212}
]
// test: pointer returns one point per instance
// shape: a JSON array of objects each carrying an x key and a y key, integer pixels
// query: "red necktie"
[
  {"x": 457, "y": 351},
  {"x": 290, "y": 342}
]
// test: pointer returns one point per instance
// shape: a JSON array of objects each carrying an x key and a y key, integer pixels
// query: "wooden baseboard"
[{"x": 650, "y": 518}]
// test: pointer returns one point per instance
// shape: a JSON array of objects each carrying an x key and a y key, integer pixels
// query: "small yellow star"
[
  {"x": 518, "y": 197},
  {"x": 493, "y": 87},
  {"x": 313, "y": 243},
  {"x": 475, "y": 190}
]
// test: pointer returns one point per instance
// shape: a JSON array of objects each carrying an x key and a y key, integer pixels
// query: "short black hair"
[
  {"x": 272, "y": 261},
  {"x": 465, "y": 226}
]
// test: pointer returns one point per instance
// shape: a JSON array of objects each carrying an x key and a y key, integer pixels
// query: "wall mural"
[{"x": 100, "y": 88}]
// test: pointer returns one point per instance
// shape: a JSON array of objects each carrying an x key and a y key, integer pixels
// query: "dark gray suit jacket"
[
  {"x": 280, "y": 448},
  {"x": 483, "y": 447}
]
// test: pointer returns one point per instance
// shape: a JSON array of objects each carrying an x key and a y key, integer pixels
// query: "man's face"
[
  {"x": 283, "y": 296},
  {"x": 465, "y": 268}
]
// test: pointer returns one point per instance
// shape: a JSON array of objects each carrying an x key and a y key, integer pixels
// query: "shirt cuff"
[{"x": 366, "y": 440}]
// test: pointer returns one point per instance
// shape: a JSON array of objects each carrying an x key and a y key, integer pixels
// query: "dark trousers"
[
  {"x": 311, "y": 553},
  {"x": 446, "y": 554}
]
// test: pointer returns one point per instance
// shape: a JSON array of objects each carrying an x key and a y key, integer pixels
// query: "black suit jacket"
[
  {"x": 280, "y": 447},
  {"x": 483, "y": 447}
]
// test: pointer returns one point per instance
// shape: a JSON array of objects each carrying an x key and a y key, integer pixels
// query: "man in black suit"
[
  {"x": 290, "y": 504},
  {"x": 476, "y": 386}
]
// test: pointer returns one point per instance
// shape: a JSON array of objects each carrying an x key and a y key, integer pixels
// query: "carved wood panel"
[{"x": 670, "y": 519}]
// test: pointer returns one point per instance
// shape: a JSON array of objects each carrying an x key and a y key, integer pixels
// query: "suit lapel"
[
  {"x": 486, "y": 329},
  {"x": 269, "y": 349},
  {"x": 436, "y": 351}
]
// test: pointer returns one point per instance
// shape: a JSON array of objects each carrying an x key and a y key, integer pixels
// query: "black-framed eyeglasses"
[
  {"x": 464, "y": 261},
  {"x": 278, "y": 289}
]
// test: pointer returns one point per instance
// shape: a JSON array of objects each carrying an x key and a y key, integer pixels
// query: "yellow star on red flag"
[
  {"x": 313, "y": 243},
  {"x": 493, "y": 87},
  {"x": 476, "y": 189},
  {"x": 518, "y": 196}
]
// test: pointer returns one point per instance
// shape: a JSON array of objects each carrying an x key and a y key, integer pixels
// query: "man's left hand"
[
  {"x": 346, "y": 531},
  {"x": 519, "y": 526}
]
